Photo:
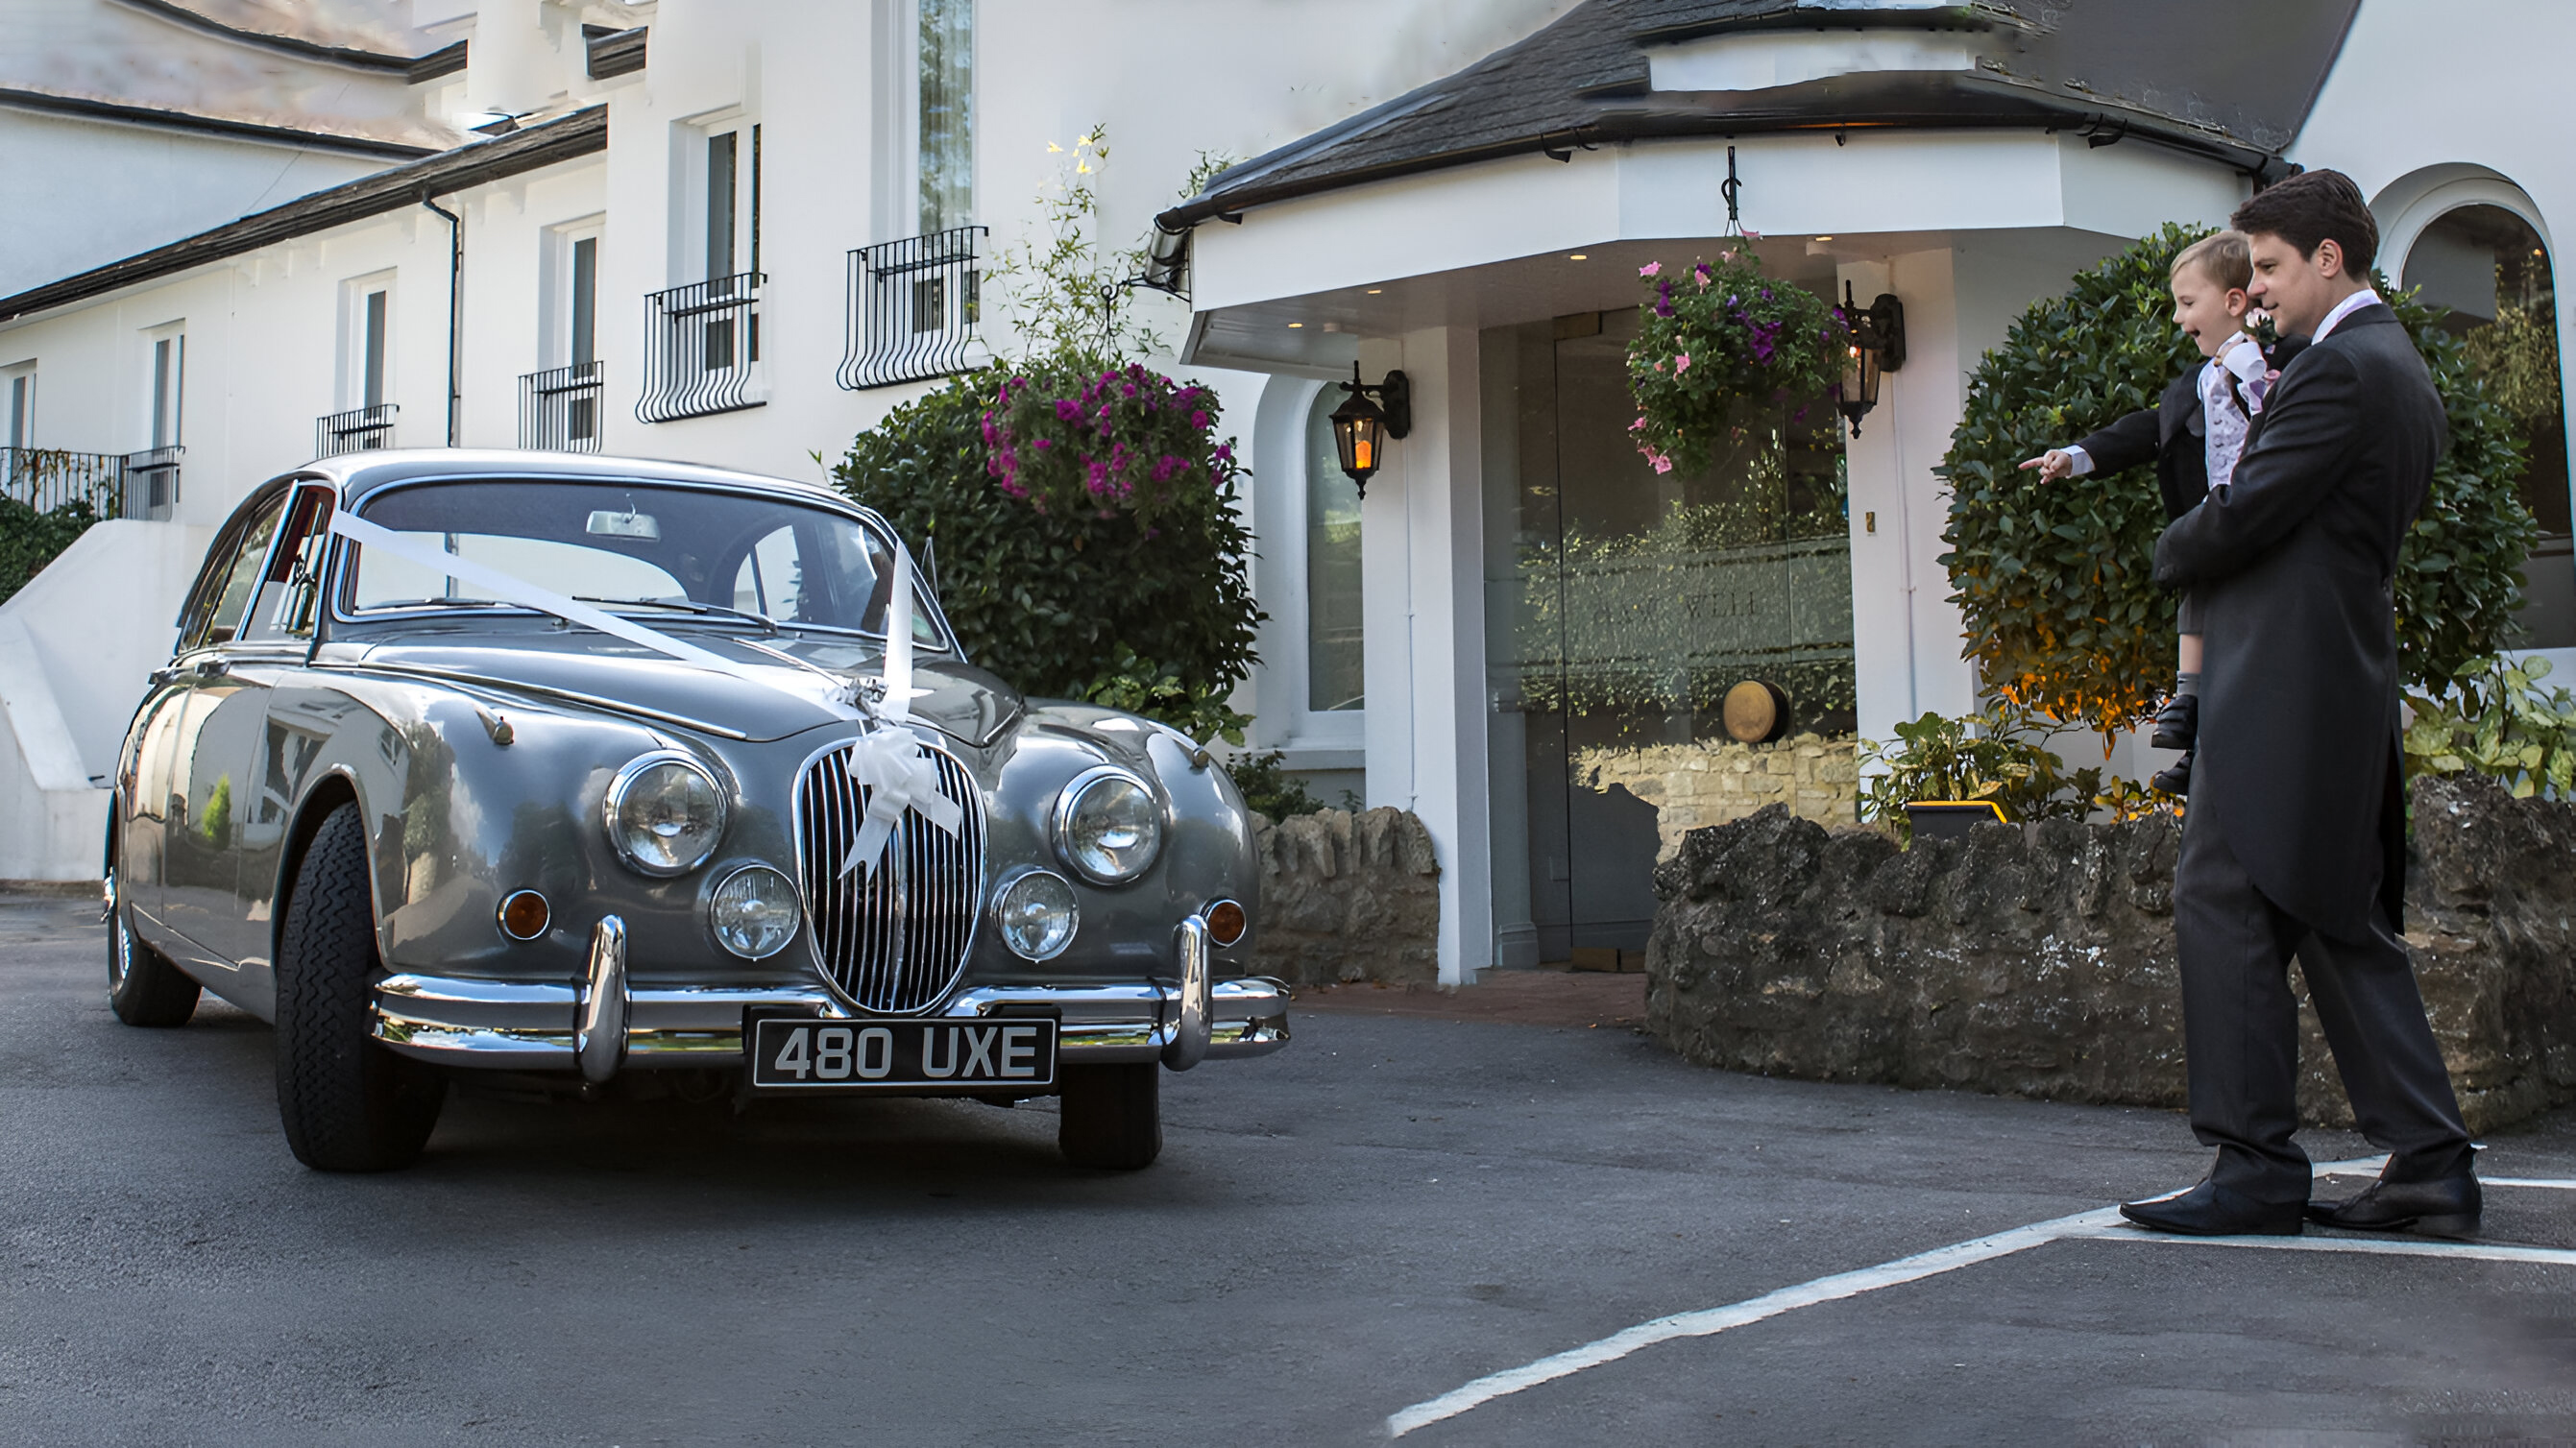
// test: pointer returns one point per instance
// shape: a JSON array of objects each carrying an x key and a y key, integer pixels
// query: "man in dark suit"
[{"x": 2296, "y": 834}]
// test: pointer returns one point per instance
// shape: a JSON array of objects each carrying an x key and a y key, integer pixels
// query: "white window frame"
[
  {"x": 164, "y": 414},
  {"x": 895, "y": 44},
  {"x": 1280, "y": 522},
  {"x": 18, "y": 396},
  {"x": 352, "y": 361},
  {"x": 555, "y": 278},
  {"x": 689, "y": 260}
]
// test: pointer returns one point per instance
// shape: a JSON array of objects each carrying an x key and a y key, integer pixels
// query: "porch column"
[
  {"x": 1906, "y": 633},
  {"x": 1422, "y": 572}
]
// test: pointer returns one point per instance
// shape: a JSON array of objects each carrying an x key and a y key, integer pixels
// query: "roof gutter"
[
  {"x": 155, "y": 116},
  {"x": 2102, "y": 127}
]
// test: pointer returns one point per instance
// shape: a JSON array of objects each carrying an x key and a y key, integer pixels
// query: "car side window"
[
  {"x": 770, "y": 582},
  {"x": 241, "y": 576},
  {"x": 284, "y": 604}
]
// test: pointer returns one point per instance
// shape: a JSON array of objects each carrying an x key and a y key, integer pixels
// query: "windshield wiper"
[
  {"x": 446, "y": 601},
  {"x": 685, "y": 606}
]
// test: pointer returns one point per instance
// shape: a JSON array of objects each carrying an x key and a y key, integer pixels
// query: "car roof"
[{"x": 357, "y": 474}]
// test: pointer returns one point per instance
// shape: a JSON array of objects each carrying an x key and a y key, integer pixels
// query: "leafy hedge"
[
  {"x": 29, "y": 540},
  {"x": 2061, "y": 612},
  {"x": 1069, "y": 602}
]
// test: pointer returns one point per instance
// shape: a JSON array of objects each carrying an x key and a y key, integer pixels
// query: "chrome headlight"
[
  {"x": 665, "y": 814},
  {"x": 1108, "y": 825},
  {"x": 755, "y": 912},
  {"x": 1037, "y": 914}
]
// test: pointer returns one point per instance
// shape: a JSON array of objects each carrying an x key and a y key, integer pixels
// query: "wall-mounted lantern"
[
  {"x": 1877, "y": 345},
  {"x": 1362, "y": 426}
]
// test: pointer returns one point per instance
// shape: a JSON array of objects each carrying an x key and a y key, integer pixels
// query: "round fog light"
[
  {"x": 523, "y": 915},
  {"x": 1037, "y": 915},
  {"x": 1225, "y": 922},
  {"x": 755, "y": 912}
]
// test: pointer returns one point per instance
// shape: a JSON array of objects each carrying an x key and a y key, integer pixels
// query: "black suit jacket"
[
  {"x": 2297, "y": 767},
  {"x": 2172, "y": 435}
]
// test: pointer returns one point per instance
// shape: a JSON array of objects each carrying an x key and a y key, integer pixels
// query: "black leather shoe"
[
  {"x": 2446, "y": 1208},
  {"x": 2177, "y": 723},
  {"x": 2211, "y": 1210},
  {"x": 2175, "y": 778}
]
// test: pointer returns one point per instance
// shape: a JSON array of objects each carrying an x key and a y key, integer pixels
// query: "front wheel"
[
  {"x": 348, "y": 1101},
  {"x": 143, "y": 987},
  {"x": 1112, "y": 1116}
]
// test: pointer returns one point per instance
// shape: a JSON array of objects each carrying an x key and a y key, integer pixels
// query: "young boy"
[{"x": 2194, "y": 435}]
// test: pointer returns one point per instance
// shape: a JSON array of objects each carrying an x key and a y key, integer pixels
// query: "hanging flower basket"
[
  {"x": 1720, "y": 336},
  {"x": 1121, "y": 440}
]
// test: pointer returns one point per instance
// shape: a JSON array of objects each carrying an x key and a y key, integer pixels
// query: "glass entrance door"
[{"x": 1622, "y": 604}]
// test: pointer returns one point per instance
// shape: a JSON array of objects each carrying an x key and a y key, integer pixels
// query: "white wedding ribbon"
[{"x": 887, "y": 759}]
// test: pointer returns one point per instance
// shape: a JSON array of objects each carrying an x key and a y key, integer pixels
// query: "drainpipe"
[{"x": 455, "y": 305}]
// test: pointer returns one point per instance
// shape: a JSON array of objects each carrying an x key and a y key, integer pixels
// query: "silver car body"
[{"x": 481, "y": 744}]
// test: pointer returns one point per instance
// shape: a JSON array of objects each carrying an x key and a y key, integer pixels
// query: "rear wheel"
[
  {"x": 143, "y": 987},
  {"x": 348, "y": 1101},
  {"x": 1112, "y": 1115}
]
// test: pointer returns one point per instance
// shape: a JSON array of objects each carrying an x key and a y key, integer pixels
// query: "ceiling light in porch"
[
  {"x": 1579, "y": 256},
  {"x": 1293, "y": 326}
]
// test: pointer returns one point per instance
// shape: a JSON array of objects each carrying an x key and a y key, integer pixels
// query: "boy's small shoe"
[
  {"x": 2177, "y": 723},
  {"x": 2176, "y": 778}
]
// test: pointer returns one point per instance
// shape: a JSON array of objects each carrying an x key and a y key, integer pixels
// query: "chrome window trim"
[
  {"x": 615, "y": 799},
  {"x": 866, "y": 518},
  {"x": 1061, "y": 816}
]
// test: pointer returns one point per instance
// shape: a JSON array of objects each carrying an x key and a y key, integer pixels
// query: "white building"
[{"x": 1469, "y": 205}]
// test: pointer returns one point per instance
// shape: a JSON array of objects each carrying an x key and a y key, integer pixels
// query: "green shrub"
[
  {"x": 2054, "y": 579},
  {"x": 1268, "y": 787},
  {"x": 2494, "y": 719},
  {"x": 29, "y": 540},
  {"x": 1719, "y": 344},
  {"x": 1991, "y": 756}
]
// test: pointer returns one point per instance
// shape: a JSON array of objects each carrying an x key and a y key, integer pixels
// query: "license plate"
[{"x": 1013, "y": 1051}]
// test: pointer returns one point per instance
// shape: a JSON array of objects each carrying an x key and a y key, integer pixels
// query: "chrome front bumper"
[{"x": 607, "y": 1023}]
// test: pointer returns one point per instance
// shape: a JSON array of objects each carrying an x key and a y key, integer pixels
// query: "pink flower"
[
  {"x": 1751, "y": 235},
  {"x": 1651, "y": 268},
  {"x": 1637, "y": 426},
  {"x": 1681, "y": 364}
]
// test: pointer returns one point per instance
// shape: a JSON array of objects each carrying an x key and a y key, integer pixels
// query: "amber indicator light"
[
  {"x": 1225, "y": 922},
  {"x": 523, "y": 915}
]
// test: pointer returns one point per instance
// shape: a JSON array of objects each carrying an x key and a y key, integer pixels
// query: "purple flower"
[
  {"x": 1664, "y": 297},
  {"x": 1067, "y": 410},
  {"x": 1198, "y": 419}
]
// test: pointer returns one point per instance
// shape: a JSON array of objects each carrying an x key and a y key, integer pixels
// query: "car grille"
[{"x": 893, "y": 938}]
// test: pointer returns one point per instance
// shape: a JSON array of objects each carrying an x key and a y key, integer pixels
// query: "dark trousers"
[{"x": 2241, "y": 1032}]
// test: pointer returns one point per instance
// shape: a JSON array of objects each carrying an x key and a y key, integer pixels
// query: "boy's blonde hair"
[{"x": 2221, "y": 256}]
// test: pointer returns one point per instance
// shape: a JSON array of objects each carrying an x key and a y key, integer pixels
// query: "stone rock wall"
[
  {"x": 1347, "y": 897},
  {"x": 1693, "y": 786},
  {"x": 2039, "y": 960}
]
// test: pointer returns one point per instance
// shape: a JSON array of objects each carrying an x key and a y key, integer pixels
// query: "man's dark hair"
[{"x": 2305, "y": 209}]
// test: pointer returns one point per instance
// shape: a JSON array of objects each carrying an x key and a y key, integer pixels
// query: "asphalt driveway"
[{"x": 1393, "y": 1208}]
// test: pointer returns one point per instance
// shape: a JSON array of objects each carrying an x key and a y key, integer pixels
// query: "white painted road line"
[
  {"x": 1713, "y": 1320},
  {"x": 2103, "y": 1224}
]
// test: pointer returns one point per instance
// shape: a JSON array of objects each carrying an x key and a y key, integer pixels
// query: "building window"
[
  {"x": 1335, "y": 672},
  {"x": 946, "y": 165},
  {"x": 583, "y": 282},
  {"x": 169, "y": 381},
  {"x": 365, "y": 419},
  {"x": 2490, "y": 270},
  {"x": 703, "y": 338},
  {"x": 21, "y": 405},
  {"x": 150, "y": 478},
  {"x": 559, "y": 404}
]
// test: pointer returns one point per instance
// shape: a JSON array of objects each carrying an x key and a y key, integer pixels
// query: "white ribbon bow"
[{"x": 887, "y": 760}]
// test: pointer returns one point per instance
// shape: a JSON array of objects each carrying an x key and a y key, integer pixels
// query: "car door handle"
[{"x": 213, "y": 668}]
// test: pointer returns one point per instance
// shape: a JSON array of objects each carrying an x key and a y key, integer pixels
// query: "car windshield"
[{"x": 673, "y": 553}]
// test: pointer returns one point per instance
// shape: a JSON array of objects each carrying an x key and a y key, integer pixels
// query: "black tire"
[
  {"x": 347, "y": 1101},
  {"x": 143, "y": 987},
  {"x": 1112, "y": 1116}
]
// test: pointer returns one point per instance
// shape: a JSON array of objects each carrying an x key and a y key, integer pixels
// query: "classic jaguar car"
[{"x": 602, "y": 775}]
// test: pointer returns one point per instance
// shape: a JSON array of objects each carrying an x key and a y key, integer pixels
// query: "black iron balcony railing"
[
  {"x": 150, "y": 479},
  {"x": 559, "y": 408},
  {"x": 46, "y": 478},
  {"x": 355, "y": 430},
  {"x": 699, "y": 343},
  {"x": 913, "y": 306}
]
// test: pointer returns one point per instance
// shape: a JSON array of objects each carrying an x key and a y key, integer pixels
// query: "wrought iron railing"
[
  {"x": 355, "y": 430},
  {"x": 913, "y": 306},
  {"x": 700, "y": 342},
  {"x": 46, "y": 478},
  {"x": 150, "y": 479},
  {"x": 559, "y": 408}
]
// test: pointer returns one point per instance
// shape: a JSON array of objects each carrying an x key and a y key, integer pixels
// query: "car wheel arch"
[{"x": 332, "y": 790}]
